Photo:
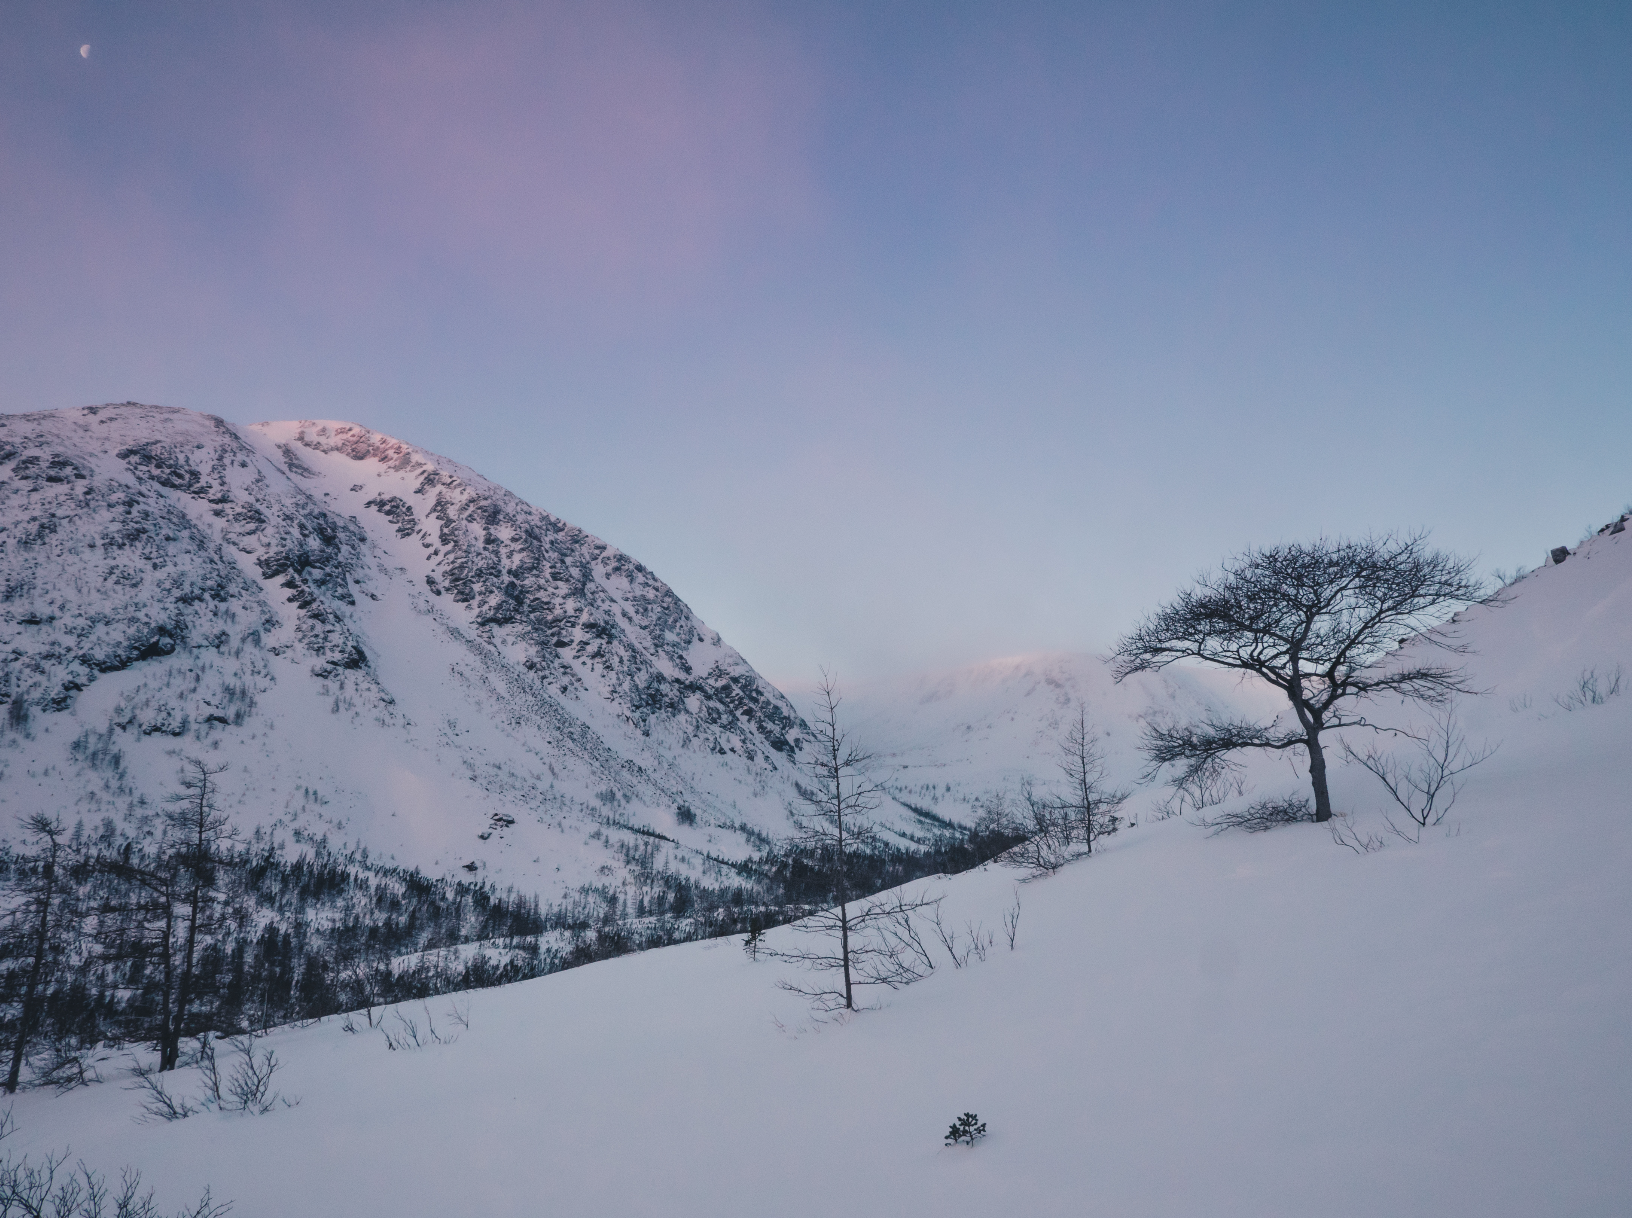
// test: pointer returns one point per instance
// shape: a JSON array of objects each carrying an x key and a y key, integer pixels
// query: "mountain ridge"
[{"x": 167, "y": 576}]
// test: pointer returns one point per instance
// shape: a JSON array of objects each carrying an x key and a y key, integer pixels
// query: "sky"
[{"x": 893, "y": 336}]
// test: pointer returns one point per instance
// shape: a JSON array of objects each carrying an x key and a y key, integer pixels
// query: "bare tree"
[
  {"x": 1058, "y": 828},
  {"x": 146, "y": 914},
  {"x": 1091, "y": 803},
  {"x": 177, "y": 886},
  {"x": 870, "y": 941},
  {"x": 201, "y": 831},
  {"x": 37, "y": 876},
  {"x": 1313, "y": 621}
]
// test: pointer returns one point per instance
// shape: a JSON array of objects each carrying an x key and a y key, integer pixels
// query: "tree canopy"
[{"x": 1315, "y": 620}]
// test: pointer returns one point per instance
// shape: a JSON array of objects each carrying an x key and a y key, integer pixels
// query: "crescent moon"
[{"x": 85, "y": 51}]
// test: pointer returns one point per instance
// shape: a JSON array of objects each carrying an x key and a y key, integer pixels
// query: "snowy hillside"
[
  {"x": 945, "y": 739},
  {"x": 387, "y": 648},
  {"x": 948, "y": 738},
  {"x": 1248, "y": 1025}
]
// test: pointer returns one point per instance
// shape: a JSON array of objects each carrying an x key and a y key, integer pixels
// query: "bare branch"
[
  {"x": 1315, "y": 621},
  {"x": 1425, "y": 789}
]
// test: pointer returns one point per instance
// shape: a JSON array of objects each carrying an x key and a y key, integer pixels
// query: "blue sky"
[{"x": 892, "y": 336}]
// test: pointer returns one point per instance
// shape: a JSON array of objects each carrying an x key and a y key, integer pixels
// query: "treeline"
[
  {"x": 785, "y": 880},
  {"x": 160, "y": 929}
]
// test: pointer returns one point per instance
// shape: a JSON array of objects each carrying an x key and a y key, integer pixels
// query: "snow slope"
[
  {"x": 385, "y": 647},
  {"x": 945, "y": 739},
  {"x": 1253, "y": 1025}
]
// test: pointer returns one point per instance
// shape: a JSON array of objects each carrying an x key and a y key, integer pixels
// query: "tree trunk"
[
  {"x": 166, "y": 1062},
  {"x": 1312, "y": 720},
  {"x": 171, "y": 1050},
  {"x": 844, "y": 950},
  {"x": 1085, "y": 793},
  {"x": 25, "y": 1018},
  {"x": 1317, "y": 776}
]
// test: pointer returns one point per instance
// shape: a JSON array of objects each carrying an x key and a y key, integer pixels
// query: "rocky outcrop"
[
  {"x": 118, "y": 532},
  {"x": 581, "y": 614}
]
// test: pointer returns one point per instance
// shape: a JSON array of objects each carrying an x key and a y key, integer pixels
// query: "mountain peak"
[{"x": 390, "y": 647}]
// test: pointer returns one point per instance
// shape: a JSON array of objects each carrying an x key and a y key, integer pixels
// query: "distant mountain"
[
  {"x": 384, "y": 646},
  {"x": 945, "y": 739}
]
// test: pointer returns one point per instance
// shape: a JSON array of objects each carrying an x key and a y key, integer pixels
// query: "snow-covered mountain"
[
  {"x": 384, "y": 646},
  {"x": 1235, "y": 1026}
]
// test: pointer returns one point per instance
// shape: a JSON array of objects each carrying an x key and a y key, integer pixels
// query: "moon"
[{"x": 85, "y": 51}]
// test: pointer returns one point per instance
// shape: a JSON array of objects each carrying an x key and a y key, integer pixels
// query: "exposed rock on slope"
[
  {"x": 386, "y": 646},
  {"x": 581, "y": 614}
]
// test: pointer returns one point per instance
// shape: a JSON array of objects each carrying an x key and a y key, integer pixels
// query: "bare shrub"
[
  {"x": 1590, "y": 689},
  {"x": 250, "y": 1087},
  {"x": 67, "y": 1066},
  {"x": 46, "y": 1189},
  {"x": 974, "y": 944},
  {"x": 1198, "y": 788},
  {"x": 157, "y": 1103},
  {"x": 409, "y": 1035},
  {"x": 209, "y": 1071},
  {"x": 1345, "y": 834},
  {"x": 1050, "y": 832},
  {"x": 1425, "y": 787},
  {"x": 1011, "y": 920},
  {"x": 1263, "y": 815}
]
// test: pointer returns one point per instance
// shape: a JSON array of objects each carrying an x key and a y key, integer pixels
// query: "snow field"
[{"x": 1252, "y": 1025}]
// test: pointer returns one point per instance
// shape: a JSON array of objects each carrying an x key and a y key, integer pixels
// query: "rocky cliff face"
[
  {"x": 387, "y": 648},
  {"x": 580, "y": 615}
]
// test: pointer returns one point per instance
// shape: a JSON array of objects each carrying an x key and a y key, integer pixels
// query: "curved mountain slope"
[{"x": 383, "y": 645}]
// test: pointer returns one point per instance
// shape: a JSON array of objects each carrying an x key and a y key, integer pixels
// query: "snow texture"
[
  {"x": 1240, "y": 1025},
  {"x": 387, "y": 648}
]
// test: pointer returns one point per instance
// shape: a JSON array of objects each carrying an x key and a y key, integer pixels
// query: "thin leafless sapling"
[
  {"x": 855, "y": 940},
  {"x": 1425, "y": 787},
  {"x": 1011, "y": 920}
]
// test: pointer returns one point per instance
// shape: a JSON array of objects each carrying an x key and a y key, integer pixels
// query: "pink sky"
[{"x": 1015, "y": 315}]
